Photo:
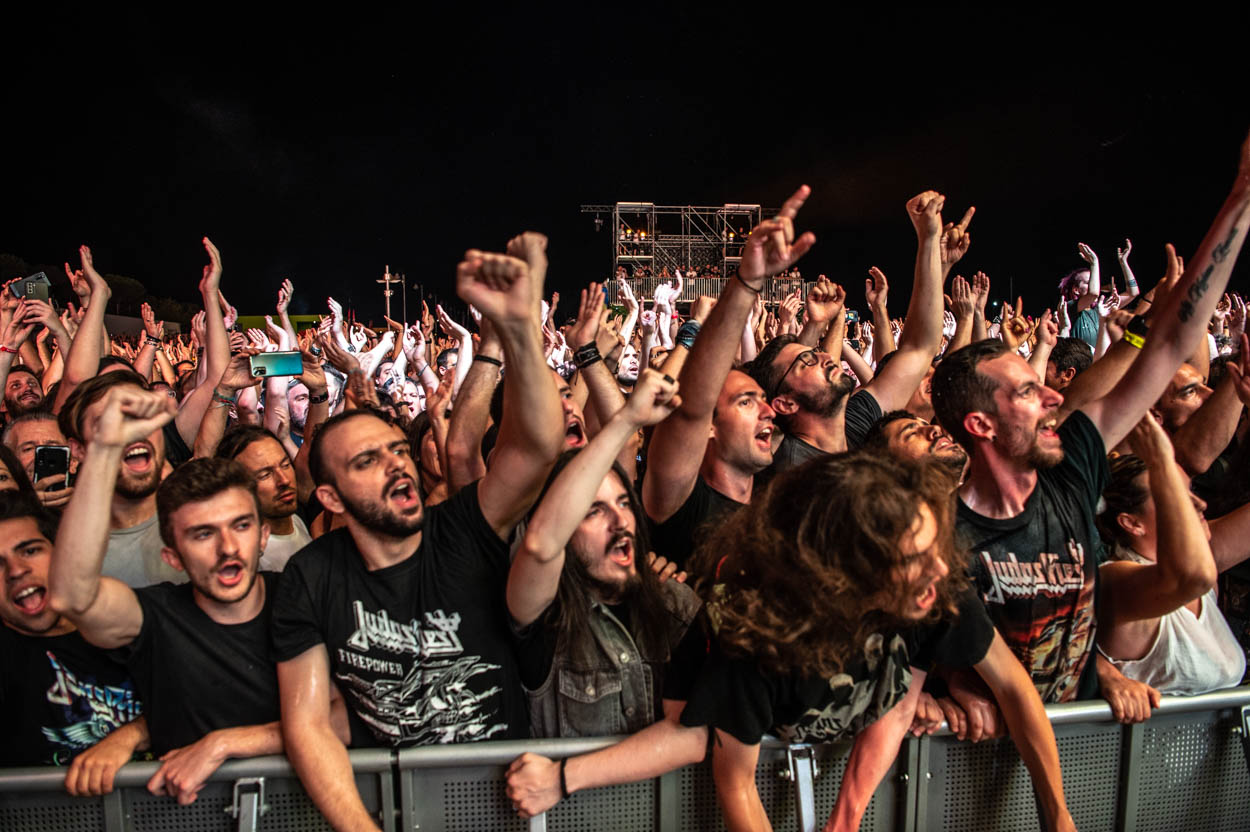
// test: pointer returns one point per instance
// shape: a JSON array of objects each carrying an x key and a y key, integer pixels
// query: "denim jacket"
[{"x": 604, "y": 685}]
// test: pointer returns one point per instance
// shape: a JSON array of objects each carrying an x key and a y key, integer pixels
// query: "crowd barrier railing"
[{"x": 1187, "y": 768}]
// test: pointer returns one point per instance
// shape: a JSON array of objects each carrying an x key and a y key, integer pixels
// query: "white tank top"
[{"x": 1191, "y": 654}]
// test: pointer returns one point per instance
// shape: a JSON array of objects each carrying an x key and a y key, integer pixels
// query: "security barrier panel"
[{"x": 1185, "y": 769}]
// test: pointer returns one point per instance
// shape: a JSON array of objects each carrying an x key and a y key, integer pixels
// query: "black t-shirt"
[
  {"x": 176, "y": 450},
  {"x": 60, "y": 696},
  {"x": 862, "y": 412},
  {"x": 195, "y": 675},
  {"x": 678, "y": 536},
  {"x": 1037, "y": 572},
  {"x": 421, "y": 650},
  {"x": 746, "y": 701}
]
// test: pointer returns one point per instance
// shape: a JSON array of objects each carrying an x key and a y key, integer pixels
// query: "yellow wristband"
[{"x": 1135, "y": 339}]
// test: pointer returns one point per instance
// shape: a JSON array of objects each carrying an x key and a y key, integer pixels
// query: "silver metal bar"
[
  {"x": 803, "y": 775},
  {"x": 538, "y": 823}
]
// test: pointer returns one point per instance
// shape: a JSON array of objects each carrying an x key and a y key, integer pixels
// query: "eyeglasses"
[{"x": 807, "y": 358}]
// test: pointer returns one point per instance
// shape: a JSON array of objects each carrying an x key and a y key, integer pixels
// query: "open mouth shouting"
[
  {"x": 1047, "y": 428},
  {"x": 231, "y": 573},
  {"x": 621, "y": 549},
  {"x": 402, "y": 493},
  {"x": 764, "y": 439},
  {"x": 574, "y": 433},
  {"x": 139, "y": 457},
  {"x": 926, "y": 599},
  {"x": 31, "y": 600}
]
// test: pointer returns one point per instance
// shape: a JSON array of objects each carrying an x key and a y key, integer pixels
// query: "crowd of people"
[{"x": 693, "y": 527}]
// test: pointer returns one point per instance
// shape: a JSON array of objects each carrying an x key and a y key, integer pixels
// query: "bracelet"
[
  {"x": 488, "y": 360},
  {"x": 227, "y": 400},
  {"x": 8, "y": 349},
  {"x": 154, "y": 341},
  {"x": 686, "y": 333},
  {"x": 564, "y": 784},
  {"x": 586, "y": 354},
  {"x": 758, "y": 291},
  {"x": 319, "y": 399}
]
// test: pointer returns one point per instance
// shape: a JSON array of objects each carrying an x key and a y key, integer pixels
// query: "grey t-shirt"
[{"x": 134, "y": 556}]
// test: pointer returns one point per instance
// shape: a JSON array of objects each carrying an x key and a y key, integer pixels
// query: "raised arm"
[
  {"x": 825, "y": 302},
  {"x": 1047, "y": 337},
  {"x": 84, "y": 355},
  {"x": 1184, "y": 567},
  {"x": 893, "y": 386},
  {"x": 1130, "y": 280},
  {"x": 216, "y": 348},
  {"x": 876, "y": 293},
  {"x": 964, "y": 308},
  {"x": 531, "y": 433},
  {"x": 678, "y": 443},
  {"x": 1206, "y": 433},
  {"x": 105, "y": 610},
  {"x": 1181, "y": 322},
  {"x": 470, "y": 418},
  {"x": 572, "y": 498},
  {"x": 213, "y": 427}
]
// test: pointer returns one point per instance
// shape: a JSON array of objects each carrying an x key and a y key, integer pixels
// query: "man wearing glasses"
[{"x": 807, "y": 388}]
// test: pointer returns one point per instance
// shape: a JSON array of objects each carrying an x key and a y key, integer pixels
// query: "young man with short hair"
[
  {"x": 199, "y": 652},
  {"x": 68, "y": 700}
]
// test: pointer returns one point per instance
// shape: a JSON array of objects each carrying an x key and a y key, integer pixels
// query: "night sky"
[{"x": 323, "y": 153}]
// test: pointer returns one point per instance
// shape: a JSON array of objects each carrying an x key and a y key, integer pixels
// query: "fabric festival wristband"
[
  {"x": 687, "y": 332},
  {"x": 8, "y": 349},
  {"x": 1135, "y": 339},
  {"x": 217, "y": 397}
]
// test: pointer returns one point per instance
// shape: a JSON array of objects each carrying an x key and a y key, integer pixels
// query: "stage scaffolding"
[{"x": 692, "y": 238}]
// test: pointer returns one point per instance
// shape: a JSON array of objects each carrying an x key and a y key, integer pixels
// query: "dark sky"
[{"x": 324, "y": 152}]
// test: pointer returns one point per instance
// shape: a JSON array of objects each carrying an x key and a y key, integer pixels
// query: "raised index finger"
[
  {"x": 963, "y": 224},
  {"x": 795, "y": 202}
]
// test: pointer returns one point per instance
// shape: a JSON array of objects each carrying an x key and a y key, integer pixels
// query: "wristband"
[
  {"x": 1135, "y": 333},
  {"x": 586, "y": 354},
  {"x": 758, "y": 291},
  {"x": 324, "y": 397},
  {"x": 156, "y": 342},
  {"x": 488, "y": 360},
  {"x": 217, "y": 397},
  {"x": 687, "y": 332},
  {"x": 564, "y": 784},
  {"x": 8, "y": 349}
]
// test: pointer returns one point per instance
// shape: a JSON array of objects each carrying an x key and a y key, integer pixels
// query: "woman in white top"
[{"x": 1158, "y": 622}]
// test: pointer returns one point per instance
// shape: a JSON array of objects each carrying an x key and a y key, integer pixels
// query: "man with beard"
[
  {"x": 703, "y": 459},
  {"x": 133, "y": 555},
  {"x": 908, "y": 437},
  {"x": 401, "y": 607},
  {"x": 199, "y": 653},
  {"x": 23, "y": 392},
  {"x": 1027, "y": 507},
  {"x": 806, "y": 387},
  {"x": 596, "y": 631},
  {"x": 75, "y": 702},
  {"x": 260, "y": 452}
]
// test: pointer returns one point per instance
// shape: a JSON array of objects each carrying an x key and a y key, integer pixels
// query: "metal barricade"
[
  {"x": 258, "y": 793},
  {"x": 1185, "y": 769}
]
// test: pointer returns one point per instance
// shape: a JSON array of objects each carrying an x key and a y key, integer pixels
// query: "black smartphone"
[
  {"x": 35, "y": 287},
  {"x": 51, "y": 461}
]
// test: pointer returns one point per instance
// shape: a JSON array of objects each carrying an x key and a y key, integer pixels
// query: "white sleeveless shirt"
[{"x": 1191, "y": 654}]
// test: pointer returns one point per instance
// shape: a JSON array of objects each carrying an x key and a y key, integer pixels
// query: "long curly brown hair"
[{"x": 801, "y": 577}]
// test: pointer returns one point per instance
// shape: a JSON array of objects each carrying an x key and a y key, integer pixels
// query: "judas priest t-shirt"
[
  {"x": 420, "y": 650},
  {"x": 61, "y": 695},
  {"x": 1037, "y": 571}
]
